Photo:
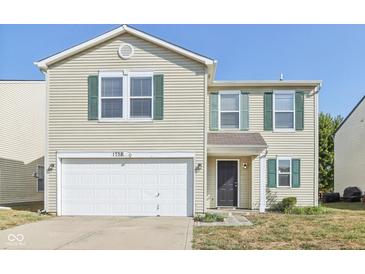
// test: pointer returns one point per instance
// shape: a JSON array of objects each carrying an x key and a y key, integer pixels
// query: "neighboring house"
[
  {"x": 22, "y": 141},
  {"x": 350, "y": 150},
  {"x": 139, "y": 126}
]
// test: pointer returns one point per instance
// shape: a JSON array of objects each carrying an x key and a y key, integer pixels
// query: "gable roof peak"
[{"x": 46, "y": 62}]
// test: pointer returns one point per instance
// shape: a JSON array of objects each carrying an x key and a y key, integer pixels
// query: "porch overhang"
[{"x": 235, "y": 144}]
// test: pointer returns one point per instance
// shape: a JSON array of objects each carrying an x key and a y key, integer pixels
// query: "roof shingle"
[{"x": 239, "y": 139}]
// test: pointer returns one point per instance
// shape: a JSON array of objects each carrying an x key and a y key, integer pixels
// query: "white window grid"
[
  {"x": 232, "y": 92},
  {"x": 278, "y": 159},
  {"x": 286, "y": 92},
  {"x": 125, "y": 95}
]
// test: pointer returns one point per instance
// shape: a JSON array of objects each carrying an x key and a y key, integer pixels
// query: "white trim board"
[
  {"x": 123, "y": 154},
  {"x": 45, "y": 63}
]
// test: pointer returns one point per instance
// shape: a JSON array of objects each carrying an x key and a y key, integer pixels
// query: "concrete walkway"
[{"x": 101, "y": 233}]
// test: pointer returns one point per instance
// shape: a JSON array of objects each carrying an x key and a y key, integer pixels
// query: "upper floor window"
[
  {"x": 111, "y": 97},
  {"x": 284, "y": 110},
  {"x": 126, "y": 96},
  {"x": 141, "y": 97},
  {"x": 229, "y": 110}
]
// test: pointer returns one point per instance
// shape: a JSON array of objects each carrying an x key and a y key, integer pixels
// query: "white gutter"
[{"x": 264, "y": 83}]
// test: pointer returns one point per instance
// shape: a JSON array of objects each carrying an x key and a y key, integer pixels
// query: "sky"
[{"x": 334, "y": 54}]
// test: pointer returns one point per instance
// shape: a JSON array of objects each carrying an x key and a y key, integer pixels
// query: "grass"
[
  {"x": 209, "y": 218},
  {"x": 346, "y": 206},
  {"x": 32, "y": 207},
  {"x": 308, "y": 210},
  {"x": 337, "y": 229},
  {"x": 20, "y": 215}
]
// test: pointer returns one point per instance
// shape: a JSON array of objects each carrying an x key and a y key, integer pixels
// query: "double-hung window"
[
  {"x": 284, "y": 172},
  {"x": 229, "y": 110},
  {"x": 126, "y": 96},
  {"x": 111, "y": 97},
  {"x": 284, "y": 110},
  {"x": 140, "y": 97}
]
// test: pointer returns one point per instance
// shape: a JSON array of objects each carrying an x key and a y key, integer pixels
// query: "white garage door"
[{"x": 127, "y": 187}]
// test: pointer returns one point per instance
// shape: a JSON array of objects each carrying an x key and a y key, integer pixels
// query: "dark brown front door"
[{"x": 227, "y": 183}]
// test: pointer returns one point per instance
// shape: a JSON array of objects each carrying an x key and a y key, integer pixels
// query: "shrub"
[
  {"x": 285, "y": 205},
  {"x": 289, "y": 202},
  {"x": 308, "y": 210},
  {"x": 209, "y": 218}
]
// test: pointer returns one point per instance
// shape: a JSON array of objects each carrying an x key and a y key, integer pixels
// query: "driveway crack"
[{"x": 86, "y": 235}]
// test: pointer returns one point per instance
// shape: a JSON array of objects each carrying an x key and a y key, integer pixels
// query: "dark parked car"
[
  {"x": 331, "y": 197},
  {"x": 352, "y": 194}
]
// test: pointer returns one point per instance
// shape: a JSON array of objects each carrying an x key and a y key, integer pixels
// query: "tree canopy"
[{"x": 327, "y": 129}]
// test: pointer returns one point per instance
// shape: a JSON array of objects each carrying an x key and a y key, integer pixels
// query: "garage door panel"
[{"x": 127, "y": 187}]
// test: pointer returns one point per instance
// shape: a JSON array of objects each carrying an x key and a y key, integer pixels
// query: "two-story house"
[
  {"x": 22, "y": 139},
  {"x": 137, "y": 126}
]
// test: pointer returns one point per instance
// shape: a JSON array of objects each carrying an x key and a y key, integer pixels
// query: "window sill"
[
  {"x": 125, "y": 121},
  {"x": 285, "y": 130},
  {"x": 229, "y": 129}
]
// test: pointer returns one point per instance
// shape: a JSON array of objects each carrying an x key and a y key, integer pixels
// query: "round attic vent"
[{"x": 125, "y": 51}]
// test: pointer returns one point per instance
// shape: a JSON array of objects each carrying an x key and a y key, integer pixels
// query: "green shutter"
[
  {"x": 158, "y": 87},
  {"x": 268, "y": 111},
  {"x": 295, "y": 165},
  {"x": 299, "y": 110},
  {"x": 244, "y": 111},
  {"x": 93, "y": 97},
  {"x": 271, "y": 172},
  {"x": 214, "y": 111}
]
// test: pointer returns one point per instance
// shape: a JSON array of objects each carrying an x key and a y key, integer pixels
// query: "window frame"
[
  {"x": 290, "y": 172},
  {"x": 229, "y": 92},
  {"x": 40, "y": 166},
  {"x": 111, "y": 75},
  {"x": 284, "y": 92},
  {"x": 126, "y": 95},
  {"x": 142, "y": 75}
]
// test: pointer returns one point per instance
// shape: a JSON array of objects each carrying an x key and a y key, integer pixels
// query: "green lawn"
[
  {"x": 20, "y": 215},
  {"x": 346, "y": 206},
  {"x": 339, "y": 229}
]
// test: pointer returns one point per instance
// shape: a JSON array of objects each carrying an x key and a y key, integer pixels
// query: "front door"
[{"x": 227, "y": 176}]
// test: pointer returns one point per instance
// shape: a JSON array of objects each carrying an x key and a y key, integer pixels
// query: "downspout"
[
  {"x": 262, "y": 181},
  {"x": 316, "y": 145},
  {"x": 205, "y": 165},
  {"x": 43, "y": 69},
  {"x": 45, "y": 194}
]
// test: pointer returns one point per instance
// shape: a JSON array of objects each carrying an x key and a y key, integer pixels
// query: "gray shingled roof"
[{"x": 239, "y": 139}]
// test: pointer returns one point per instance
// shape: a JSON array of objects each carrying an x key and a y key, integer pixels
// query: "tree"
[{"x": 327, "y": 129}]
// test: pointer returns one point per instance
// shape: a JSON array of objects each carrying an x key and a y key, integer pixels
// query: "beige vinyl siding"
[
  {"x": 22, "y": 139},
  {"x": 299, "y": 144},
  {"x": 350, "y": 151},
  {"x": 244, "y": 184},
  {"x": 181, "y": 130}
]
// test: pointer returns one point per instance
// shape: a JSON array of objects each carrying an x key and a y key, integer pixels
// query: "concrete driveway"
[{"x": 101, "y": 233}]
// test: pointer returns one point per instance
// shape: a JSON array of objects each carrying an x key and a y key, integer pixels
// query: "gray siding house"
[
  {"x": 22, "y": 141},
  {"x": 137, "y": 126},
  {"x": 350, "y": 150}
]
